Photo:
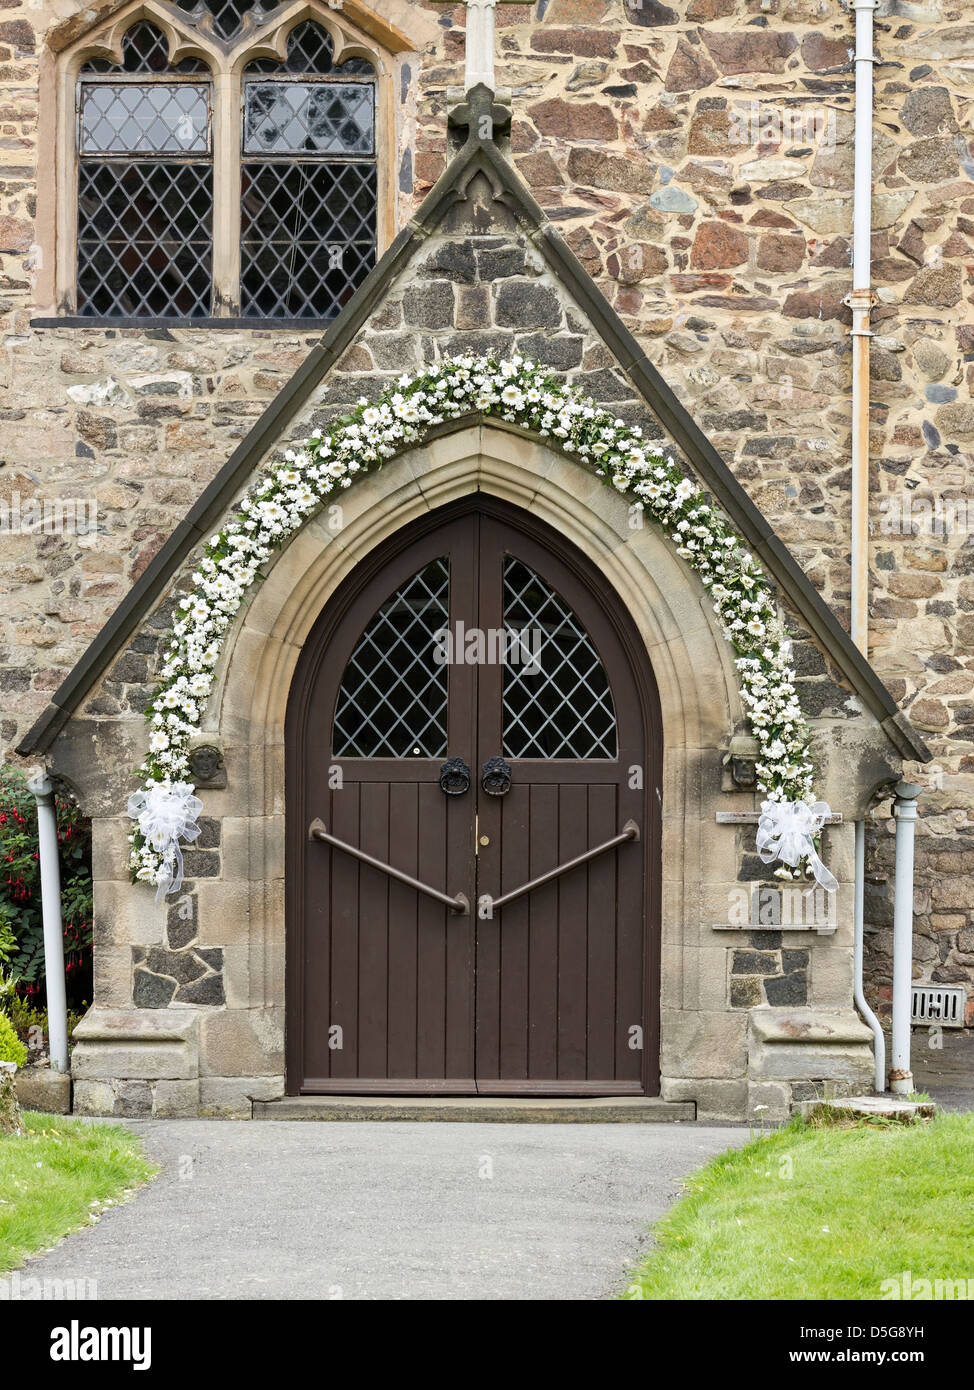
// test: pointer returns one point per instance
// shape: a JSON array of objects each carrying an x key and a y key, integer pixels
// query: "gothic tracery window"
[
  {"x": 226, "y": 16},
  {"x": 145, "y": 183},
  {"x": 309, "y": 179},
  {"x": 226, "y": 185}
]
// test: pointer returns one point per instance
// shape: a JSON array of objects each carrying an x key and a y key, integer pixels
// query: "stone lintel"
[{"x": 752, "y": 818}]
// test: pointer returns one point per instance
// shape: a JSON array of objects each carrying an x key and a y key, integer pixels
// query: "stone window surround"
[{"x": 58, "y": 191}]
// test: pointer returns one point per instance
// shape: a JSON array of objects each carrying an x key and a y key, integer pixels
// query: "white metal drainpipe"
[
  {"x": 860, "y": 301},
  {"x": 57, "y": 1011},
  {"x": 905, "y": 811},
  {"x": 879, "y": 1040}
]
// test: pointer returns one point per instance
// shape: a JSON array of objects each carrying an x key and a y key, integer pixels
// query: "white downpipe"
[
  {"x": 47, "y": 847},
  {"x": 863, "y": 171},
  {"x": 860, "y": 301},
  {"x": 879, "y": 1041},
  {"x": 479, "y": 44},
  {"x": 905, "y": 811}
]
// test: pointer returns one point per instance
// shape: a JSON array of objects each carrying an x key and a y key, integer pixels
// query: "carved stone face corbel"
[
  {"x": 739, "y": 761},
  {"x": 206, "y": 764}
]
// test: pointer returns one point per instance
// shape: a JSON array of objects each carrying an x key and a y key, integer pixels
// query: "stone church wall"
[{"x": 697, "y": 157}]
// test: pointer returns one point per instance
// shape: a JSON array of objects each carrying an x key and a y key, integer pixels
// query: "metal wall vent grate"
[{"x": 942, "y": 1004}]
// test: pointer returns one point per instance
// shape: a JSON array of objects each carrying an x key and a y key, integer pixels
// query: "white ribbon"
[
  {"x": 786, "y": 831},
  {"x": 165, "y": 812}
]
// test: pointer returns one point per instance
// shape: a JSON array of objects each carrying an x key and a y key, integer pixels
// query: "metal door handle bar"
[
  {"x": 460, "y": 903},
  {"x": 630, "y": 831}
]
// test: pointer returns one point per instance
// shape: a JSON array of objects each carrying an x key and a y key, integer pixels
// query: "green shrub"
[
  {"x": 30, "y": 1020},
  {"x": 20, "y": 899},
  {"x": 11, "y": 1048},
  {"x": 8, "y": 942}
]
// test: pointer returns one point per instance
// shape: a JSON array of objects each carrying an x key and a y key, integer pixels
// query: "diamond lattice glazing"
[
  {"x": 392, "y": 702},
  {"x": 144, "y": 238},
  {"x": 307, "y": 237},
  {"x": 565, "y": 710}
]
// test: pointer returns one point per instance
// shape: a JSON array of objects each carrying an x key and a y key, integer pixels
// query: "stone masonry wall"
[
  {"x": 461, "y": 293},
  {"x": 697, "y": 156}
]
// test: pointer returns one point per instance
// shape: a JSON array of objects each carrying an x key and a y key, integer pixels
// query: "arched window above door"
[{"x": 221, "y": 160}]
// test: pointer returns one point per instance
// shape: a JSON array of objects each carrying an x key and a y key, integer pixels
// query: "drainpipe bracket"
[
  {"x": 861, "y": 302},
  {"x": 40, "y": 786}
]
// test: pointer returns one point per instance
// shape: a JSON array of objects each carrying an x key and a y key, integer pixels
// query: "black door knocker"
[
  {"x": 454, "y": 777},
  {"x": 496, "y": 777}
]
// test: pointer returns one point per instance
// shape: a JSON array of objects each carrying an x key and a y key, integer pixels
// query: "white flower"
[{"x": 277, "y": 504}]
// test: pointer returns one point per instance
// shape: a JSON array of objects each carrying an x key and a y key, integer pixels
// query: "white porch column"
[{"x": 905, "y": 811}]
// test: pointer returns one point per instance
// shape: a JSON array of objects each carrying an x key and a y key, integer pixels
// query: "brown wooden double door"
[{"x": 473, "y": 711}]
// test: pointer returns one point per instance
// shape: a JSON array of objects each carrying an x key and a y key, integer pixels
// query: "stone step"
[
  {"x": 480, "y": 1109},
  {"x": 40, "y": 1088},
  {"x": 884, "y": 1107}
]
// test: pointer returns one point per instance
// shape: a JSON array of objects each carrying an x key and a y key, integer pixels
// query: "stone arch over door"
[{"x": 691, "y": 662}]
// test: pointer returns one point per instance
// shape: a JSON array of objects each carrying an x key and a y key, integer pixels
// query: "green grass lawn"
[
  {"x": 59, "y": 1177},
  {"x": 821, "y": 1212}
]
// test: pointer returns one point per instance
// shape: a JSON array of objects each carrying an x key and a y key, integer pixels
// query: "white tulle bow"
[
  {"x": 787, "y": 831},
  {"x": 166, "y": 813}
]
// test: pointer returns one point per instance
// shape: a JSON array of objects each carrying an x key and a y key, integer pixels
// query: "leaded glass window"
[
  {"x": 308, "y": 230},
  {"x": 227, "y": 15},
  {"x": 132, "y": 118},
  {"x": 392, "y": 702},
  {"x": 144, "y": 49},
  {"x": 309, "y": 118},
  {"x": 289, "y": 231},
  {"x": 559, "y": 705},
  {"x": 145, "y": 183}
]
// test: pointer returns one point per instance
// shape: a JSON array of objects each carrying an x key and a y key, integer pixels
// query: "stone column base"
[
  {"x": 793, "y": 1055},
  {"x": 803, "y": 1053},
  {"x": 137, "y": 1063}
]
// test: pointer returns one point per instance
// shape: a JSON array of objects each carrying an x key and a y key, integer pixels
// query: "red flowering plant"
[{"x": 20, "y": 897}]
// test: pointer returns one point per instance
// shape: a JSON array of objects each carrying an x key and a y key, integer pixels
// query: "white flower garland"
[{"x": 523, "y": 393}]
